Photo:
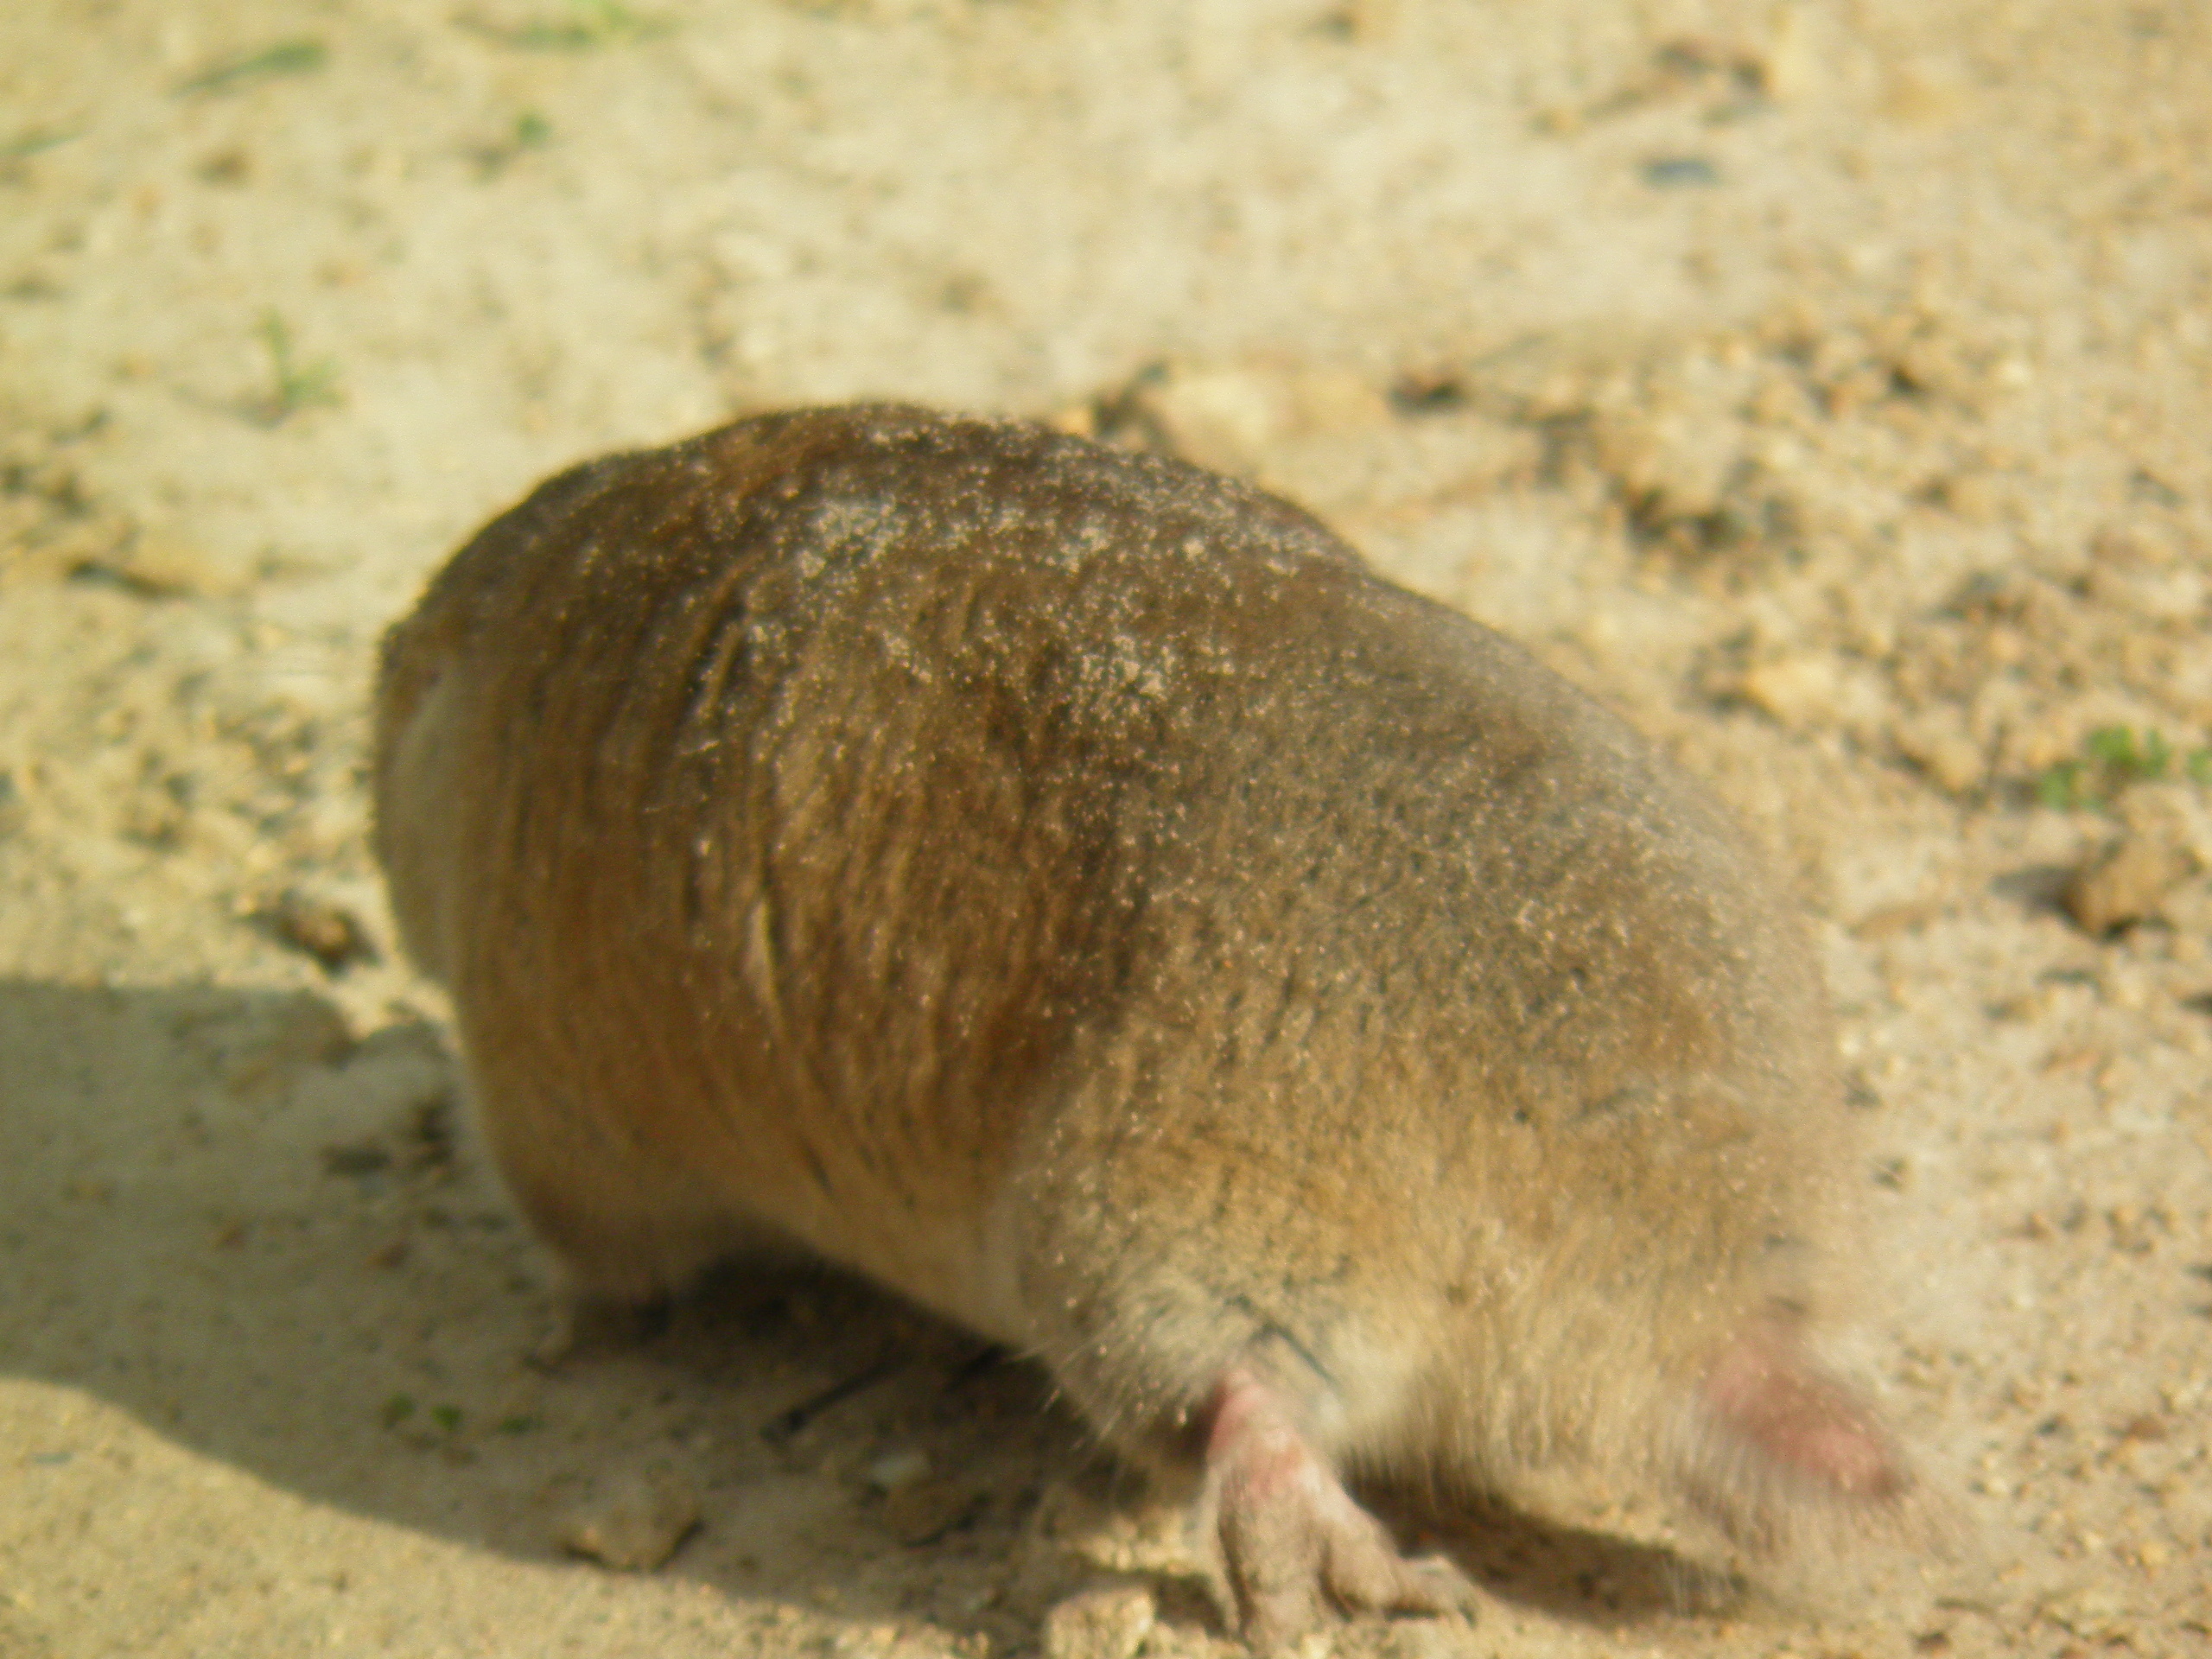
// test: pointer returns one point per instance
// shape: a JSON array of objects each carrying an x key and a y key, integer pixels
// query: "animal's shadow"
[{"x": 268, "y": 1244}]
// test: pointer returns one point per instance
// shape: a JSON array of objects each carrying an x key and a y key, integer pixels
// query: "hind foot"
[{"x": 1294, "y": 1546}]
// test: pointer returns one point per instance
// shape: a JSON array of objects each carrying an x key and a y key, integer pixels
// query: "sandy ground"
[{"x": 1828, "y": 385}]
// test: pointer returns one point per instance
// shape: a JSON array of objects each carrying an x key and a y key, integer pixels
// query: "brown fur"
[{"x": 1073, "y": 890}]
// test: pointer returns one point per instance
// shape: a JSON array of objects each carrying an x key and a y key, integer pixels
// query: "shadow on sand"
[{"x": 269, "y": 1243}]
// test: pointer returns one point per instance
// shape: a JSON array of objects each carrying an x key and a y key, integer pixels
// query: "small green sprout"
[
  {"x": 590, "y": 24},
  {"x": 285, "y": 58},
  {"x": 531, "y": 131},
  {"x": 524, "y": 1425},
  {"x": 2127, "y": 758},
  {"x": 446, "y": 1417},
  {"x": 35, "y": 141},
  {"x": 293, "y": 385},
  {"x": 2112, "y": 758},
  {"x": 397, "y": 1410},
  {"x": 2060, "y": 786}
]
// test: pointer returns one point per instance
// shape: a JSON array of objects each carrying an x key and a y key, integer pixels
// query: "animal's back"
[
  {"x": 1073, "y": 890},
  {"x": 773, "y": 806}
]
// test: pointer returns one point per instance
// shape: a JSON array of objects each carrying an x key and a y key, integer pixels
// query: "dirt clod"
[
  {"x": 634, "y": 1523},
  {"x": 1105, "y": 1622},
  {"x": 2125, "y": 882}
]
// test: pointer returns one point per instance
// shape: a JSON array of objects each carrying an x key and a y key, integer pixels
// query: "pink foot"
[
  {"x": 1294, "y": 1545},
  {"x": 1801, "y": 1421}
]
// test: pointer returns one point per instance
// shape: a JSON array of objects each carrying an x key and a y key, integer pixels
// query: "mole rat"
[{"x": 1073, "y": 890}]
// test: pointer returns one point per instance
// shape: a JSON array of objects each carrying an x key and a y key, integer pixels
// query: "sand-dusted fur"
[{"x": 1071, "y": 889}]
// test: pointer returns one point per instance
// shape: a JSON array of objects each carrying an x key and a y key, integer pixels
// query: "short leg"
[
  {"x": 1293, "y": 1543},
  {"x": 587, "y": 1326}
]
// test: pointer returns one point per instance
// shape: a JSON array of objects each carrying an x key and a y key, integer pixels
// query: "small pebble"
[
  {"x": 896, "y": 1469},
  {"x": 1680, "y": 173},
  {"x": 331, "y": 934},
  {"x": 1106, "y": 1622},
  {"x": 1425, "y": 1639},
  {"x": 634, "y": 1523},
  {"x": 1943, "y": 750},
  {"x": 155, "y": 566},
  {"x": 2124, "y": 883}
]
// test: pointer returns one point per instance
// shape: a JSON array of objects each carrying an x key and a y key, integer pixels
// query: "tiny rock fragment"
[
  {"x": 1106, "y": 1622},
  {"x": 1786, "y": 67},
  {"x": 1943, "y": 750},
  {"x": 331, "y": 934},
  {"x": 1428, "y": 391},
  {"x": 1811, "y": 689},
  {"x": 634, "y": 1523},
  {"x": 896, "y": 1469},
  {"x": 1969, "y": 496},
  {"x": 2092, "y": 1612},
  {"x": 1227, "y": 416},
  {"x": 1924, "y": 92},
  {"x": 1218, "y": 416},
  {"x": 1423, "y": 1638},
  {"x": 1890, "y": 920},
  {"x": 156, "y": 567},
  {"x": 2124, "y": 883},
  {"x": 1680, "y": 172}
]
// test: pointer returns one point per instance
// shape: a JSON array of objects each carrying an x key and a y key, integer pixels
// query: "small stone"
[
  {"x": 896, "y": 1469},
  {"x": 1969, "y": 496},
  {"x": 635, "y": 1524},
  {"x": 1811, "y": 689},
  {"x": 1228, "y": 416},
  {"x": 156, "y": 566},
  {"x": 1791, "y": 689},
  {"x": 1943, "y": 749},
  {"x": 2124, "y": 883},
  {"x": 1924, "y": 92},
  {"x": 2093, "y": 1612},
  {"x": 334, "y": 936},
  {"x": 1786, "y": 67},
  {"x": 1425, "y": 1639},
  {"x": 1680, "y": 172},
  {"x": 1106, "y": 1622},
  {"x": 1220, "y": 417}
]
